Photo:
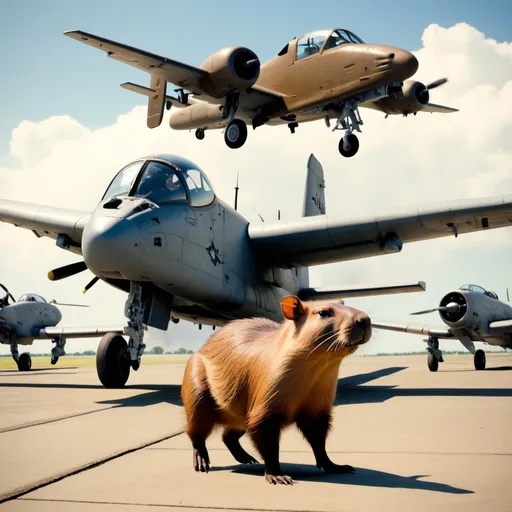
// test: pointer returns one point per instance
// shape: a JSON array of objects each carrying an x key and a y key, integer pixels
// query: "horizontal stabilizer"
[
  {"x": 440, "y": 109},
  {"x": 146, "y": 91},
  {"x": 321, "y": 294},
  {"x": 78, "y": 332}
]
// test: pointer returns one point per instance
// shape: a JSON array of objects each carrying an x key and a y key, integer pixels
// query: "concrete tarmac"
[{"x": 418, "y": 440}]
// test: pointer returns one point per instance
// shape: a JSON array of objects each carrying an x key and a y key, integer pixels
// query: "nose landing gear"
[{"x": 350, "y": 121}]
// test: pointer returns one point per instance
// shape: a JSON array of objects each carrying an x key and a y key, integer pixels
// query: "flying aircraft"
[
  {"x": 326, "y": 74},
  {"x": 161, "y": 234},
  {"x": 31, "y": 318},
  {"x": 472, "y": 314}
]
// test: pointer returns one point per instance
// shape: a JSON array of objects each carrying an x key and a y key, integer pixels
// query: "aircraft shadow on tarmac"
[
  {"x": 350, "y": 391},
  {"x": 362, "y": 476}
]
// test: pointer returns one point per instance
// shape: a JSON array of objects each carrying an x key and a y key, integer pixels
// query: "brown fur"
[{"x": 258, "y": 376}]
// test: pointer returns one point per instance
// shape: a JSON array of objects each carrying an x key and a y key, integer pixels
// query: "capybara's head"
[{"x": 326, "y": 328}]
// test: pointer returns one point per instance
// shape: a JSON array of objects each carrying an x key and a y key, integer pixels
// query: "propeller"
[
  {"x": 452, "y": 307},
  {"x": 433, "y": 85},
  {"x": 66, "y": 271}
]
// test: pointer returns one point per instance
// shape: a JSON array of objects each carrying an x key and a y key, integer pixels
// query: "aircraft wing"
[
  {"x": 173, "y": 71},
  {"x": 440, "y": 109},
  {"x": 326, "y": 239},
  {"x": 146, "y": 91},
  {"x": 499, "y": 328},
  {"x": 46, "y": 221},
  {"x": 78, "y": 332},
  {"x": 422, "y": 329}
]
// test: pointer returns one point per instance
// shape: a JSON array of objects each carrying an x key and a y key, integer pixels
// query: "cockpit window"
[
  {"x": 199, "y": 188},
  {"x": 31, "y": 297},
  {"x": 122, "y": 183},
  {"x": 339, "y": 37},
  {"x": 160, "y": 184},
  {"x": 478, "y": 289},
  {"x": 311, "y": 43}
]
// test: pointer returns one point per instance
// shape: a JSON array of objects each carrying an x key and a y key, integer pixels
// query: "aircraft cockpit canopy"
[
  {"x": 31, "y": 297},
  {"x": 479, "y": 289},
  {"x": 163, "y": 179},
  {"x": 324, "y": 40}
]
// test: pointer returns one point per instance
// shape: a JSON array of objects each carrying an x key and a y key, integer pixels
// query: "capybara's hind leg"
[
  {"x": 315, "y": 429},
  {"x": 231, "y": 438},
  {"x": 200, "y": 409}
]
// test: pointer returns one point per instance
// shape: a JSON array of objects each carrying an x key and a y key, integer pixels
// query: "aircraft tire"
[
  {"x": 113, "y": 361},
  {"x": 432, "y": 362},
  {"x": 235, "y": 134},
  {"x": 200, "y": 134},
  {"x": 353, "y": 148},
  {"x": 479, "y": 360},
  {"x": 24, "y": 362}
]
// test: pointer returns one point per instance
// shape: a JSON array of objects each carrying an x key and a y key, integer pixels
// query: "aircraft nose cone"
[
  {"x": 110, "y": 247},
  {"x": 405, "y": 63}
]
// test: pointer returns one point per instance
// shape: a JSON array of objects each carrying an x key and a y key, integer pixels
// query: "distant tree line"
[{"x": 154, "y": 350}]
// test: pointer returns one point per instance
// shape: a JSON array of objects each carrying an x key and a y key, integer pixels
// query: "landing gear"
[
  {"x": 235, "y": 134},
  {"x": 479, "y": 360},
  {"x": 350, "y": 121},
  {"x": 58, "y": 350},
  {"x": 435, "y": 356},
  {"x": 24, "y": 362},
  {"x": 200, "y": 134},
  {"x": 113, "y": 361},
  {"x": 348, "y": 145},
  {"x": 432, "y": 362}
]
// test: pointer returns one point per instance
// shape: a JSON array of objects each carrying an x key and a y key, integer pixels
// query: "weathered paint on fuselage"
[
  {"x": 200, "y": 255},
  {"x": 25, "y": 319}
]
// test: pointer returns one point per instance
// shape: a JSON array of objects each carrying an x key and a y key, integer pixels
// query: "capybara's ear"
[{"x": 292, "y": 307}]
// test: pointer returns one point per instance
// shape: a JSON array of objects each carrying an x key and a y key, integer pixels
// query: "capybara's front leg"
[
  {"x": 315, "y": 429},
  {"x": 231, "y": 439},
  {"x": 265, "y": 435}
]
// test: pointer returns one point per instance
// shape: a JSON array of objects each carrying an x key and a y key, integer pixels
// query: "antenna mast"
[{"x": 236, "y": 189}]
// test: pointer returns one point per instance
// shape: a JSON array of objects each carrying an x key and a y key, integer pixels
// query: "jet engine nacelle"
[
  {"x": 230, "y": 70},
  {"x": 415, "y": 97},
  {"x": 197, "y": 115}
]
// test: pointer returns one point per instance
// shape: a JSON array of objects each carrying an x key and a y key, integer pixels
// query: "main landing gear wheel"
[
  {"x": 235, "y": 134},
  {"x": 113, "y": 361},
  {"x": 24, "y": 362},
  {"x": 479, "y": 360},
  {"x": 432, "y": 362},
  {"x": 200, "y": 134},
  {"x": 351, "y": 146}
]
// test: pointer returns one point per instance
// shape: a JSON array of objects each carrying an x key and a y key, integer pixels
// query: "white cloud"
[{"x": 429, "y": 157}]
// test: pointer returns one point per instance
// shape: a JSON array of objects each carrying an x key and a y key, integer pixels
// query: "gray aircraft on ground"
[
  {"x": 162, "y": 235},
  {"x": 472, "y": 314},
  {"x": 31, "y": 318}
]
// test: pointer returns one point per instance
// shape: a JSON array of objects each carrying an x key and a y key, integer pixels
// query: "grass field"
[{"x": 7, "y": 363}]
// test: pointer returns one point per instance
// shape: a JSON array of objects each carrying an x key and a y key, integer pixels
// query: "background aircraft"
[
  {"x": 325, "y": 74},
  {"x": 31, "y": 318},
  {"x": 471, "y": 314},
  {"x": 160, "y": 234}
]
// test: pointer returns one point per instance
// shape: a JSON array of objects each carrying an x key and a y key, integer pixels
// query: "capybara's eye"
[{"x": 324, "y": 313}]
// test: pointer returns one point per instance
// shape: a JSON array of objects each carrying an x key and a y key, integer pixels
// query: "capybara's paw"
[
  {"x": 201, "y": 462},
  {"x": 279, "y": 479},
  {"x": 339, "y": 469},
  {"x": 246, "y": 459}
]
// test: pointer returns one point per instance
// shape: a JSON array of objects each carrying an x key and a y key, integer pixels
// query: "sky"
[{"x": 67, "y": 127}]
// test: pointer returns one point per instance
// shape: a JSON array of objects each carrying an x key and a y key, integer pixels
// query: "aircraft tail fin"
[
  {"x": 314, "y": 204},
  {"x": 314, "y": 195}
]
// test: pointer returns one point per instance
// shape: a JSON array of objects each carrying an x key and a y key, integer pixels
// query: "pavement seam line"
[
  {"x": 161, "y": 505},
  {"x": 53, "y": 420},
  {"x": 17, "y": 493}
]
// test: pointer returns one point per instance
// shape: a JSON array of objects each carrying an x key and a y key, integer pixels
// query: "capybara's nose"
[
  {"x": 363, "y": 328},
  {"x": 363, "y": 322}
]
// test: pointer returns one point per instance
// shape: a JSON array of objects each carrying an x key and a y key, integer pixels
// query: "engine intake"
[{"x": 230, "y": 70}]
